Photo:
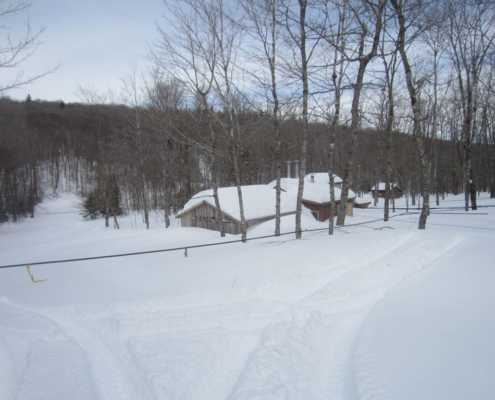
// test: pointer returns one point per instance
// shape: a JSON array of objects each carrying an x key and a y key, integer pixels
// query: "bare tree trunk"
[
  {"x": 107, "y": 212},
  {"x": 213, "y": 171},
  {"x": 435, "y": 176},
  {"x": 388, "y": 155},
  {"x": 276, "y": 124},
  {"x": 226, "y": 34},
  {"x": 235, "y": 144},
  {"x": 363, "y": 60},
  {"x": 337, "y": 83},
  {"x": 331, "y": 150},
  {"x": 218, "y": 214},
  {"x": 425, "y": 164},
  {"x": 472, "y": 192},
  {"x": 142, "y": 176},
  {"x": 375, "y": 193},
  {"x": 166, "y": 200},
  {"x": 278, "y": 162},
  {"x": 34, "y": 188},
  {"x": 115, "y": 222},
  {"x": 390, "y": 75},
  {"x": 426, "y": 168},
  {"x": 304, "y": 135},
  {"x": 241, "y": 203},
  {"x": 264, "y": 26},
  {"x": 467, "y": 158}
]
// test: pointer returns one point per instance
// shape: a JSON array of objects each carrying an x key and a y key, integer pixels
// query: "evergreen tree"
[{"x": 91, "y": 209}]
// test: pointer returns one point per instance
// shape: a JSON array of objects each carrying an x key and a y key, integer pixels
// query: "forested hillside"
[
  {"x": 157, "y": 157},
  {"x": 374, "y": 91}
]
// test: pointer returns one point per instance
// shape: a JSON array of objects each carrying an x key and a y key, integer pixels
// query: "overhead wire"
[{"x": 186, "y": 248}]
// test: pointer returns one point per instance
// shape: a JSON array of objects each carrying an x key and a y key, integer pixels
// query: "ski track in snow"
[{"x": 291, "y": 337}]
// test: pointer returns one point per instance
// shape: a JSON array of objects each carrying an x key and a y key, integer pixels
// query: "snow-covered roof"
[
  {"x": 364, "y": 200},
  {"x": 258, "y": 201},
  {"x": 316, "y": 192},
  {"x": 322, "y": 177},
  {"x": 381, "y": 186}
]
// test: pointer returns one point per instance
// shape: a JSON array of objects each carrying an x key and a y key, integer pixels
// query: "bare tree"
[
  {"x": 390, "y": 66},
  {"x": 228, "y": 39},
  {"x": 263, "y": 17},
  {"x": 165, "y": 97},
  {"x": 335, "y": 36},
  {"x": 407, "y": 12},
  {"x": 489, "y": 125},
  {"x": 470, "y": 41},
  {"x": 201, "y": 52},
  {"x": 132, "y": 97},
  {"x": 15, "y": 51},
  {"x": 295, "y": 21},
  {"x": 105, "y": 156},
  {"x": 369, "y": 20}
]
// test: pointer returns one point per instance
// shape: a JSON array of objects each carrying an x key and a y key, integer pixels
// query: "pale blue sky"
[{"x": 93, "y": 41}]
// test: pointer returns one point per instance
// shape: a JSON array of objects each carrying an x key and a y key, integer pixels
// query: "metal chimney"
[
  {"x": 297, "y": 168},
  {"x": 313, "y": 178},
  {"x": 288, "y": 168}
]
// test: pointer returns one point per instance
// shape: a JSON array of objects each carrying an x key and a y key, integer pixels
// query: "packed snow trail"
[
  {"x": 433, "y": 339},
  {"x": 291, "y": 336},
  {"x": 38, "y": 360}
]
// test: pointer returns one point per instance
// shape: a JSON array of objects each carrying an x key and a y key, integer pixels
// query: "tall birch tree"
[
  {"x": 264, "y": 26},
  {"x": 369, "y": 22},
  {"x": 406, "y": 13}
]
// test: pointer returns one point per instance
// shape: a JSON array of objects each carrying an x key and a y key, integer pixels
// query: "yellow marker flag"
[{"x": 29, "y": 272}]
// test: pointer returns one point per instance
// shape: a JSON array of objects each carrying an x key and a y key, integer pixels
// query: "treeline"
[{"x": 143, "y": 158}]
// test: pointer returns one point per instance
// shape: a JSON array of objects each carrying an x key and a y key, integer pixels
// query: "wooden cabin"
[
  {"x": 259, "y": 206},
  {"x": 396, "y": 190},
  {"x": 316, "y": 195}
]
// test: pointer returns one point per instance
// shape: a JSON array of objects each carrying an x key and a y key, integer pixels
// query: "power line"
[{"x": 186, "y": 248}]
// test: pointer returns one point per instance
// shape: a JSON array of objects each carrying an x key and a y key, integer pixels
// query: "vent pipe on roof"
[
  {"x": 288, "y": 168},
  {"x": 313, "y": 178},
  {"x": 297, "y": 168}
]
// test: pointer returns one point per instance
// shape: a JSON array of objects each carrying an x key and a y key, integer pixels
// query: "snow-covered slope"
[{"x": 387, "y": 312}]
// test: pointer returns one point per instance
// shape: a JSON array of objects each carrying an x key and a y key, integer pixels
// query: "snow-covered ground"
[{"x": 378, "y": 311}]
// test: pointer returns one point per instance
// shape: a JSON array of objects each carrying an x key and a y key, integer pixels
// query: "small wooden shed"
[
  {"x": 397, "y": 191},
  {"x": 258, "y": 201}
]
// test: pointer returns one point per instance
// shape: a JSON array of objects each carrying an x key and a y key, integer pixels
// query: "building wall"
[
  {"x": 324, "y": 210},
  {"x": 397, "y": 192},
  {"x": 381, "y": 193},
  {"x": 203, "y": 216}
]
